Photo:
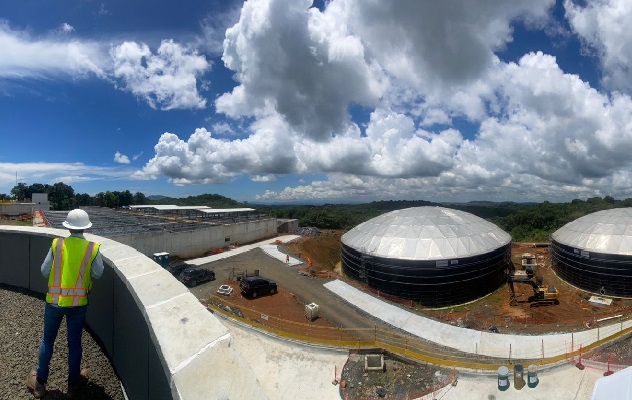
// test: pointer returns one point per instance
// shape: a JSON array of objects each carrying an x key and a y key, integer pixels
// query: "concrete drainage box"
[
  {"x": 374, "y": 362},
  {"x": 311, "y": 311}
]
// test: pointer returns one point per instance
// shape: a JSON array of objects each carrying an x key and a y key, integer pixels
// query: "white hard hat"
[{"x": 77, "y": 220}]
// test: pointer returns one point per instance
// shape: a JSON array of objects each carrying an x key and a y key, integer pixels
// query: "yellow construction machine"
[{"x": 542, "y": 294}]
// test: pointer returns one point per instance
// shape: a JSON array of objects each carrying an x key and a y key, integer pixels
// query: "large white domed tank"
[
  {"x": 433, "y": 255},
  {"x": 594, "y": 252}
]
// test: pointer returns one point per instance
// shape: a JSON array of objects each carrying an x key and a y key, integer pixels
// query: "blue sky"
[{"x": 339, "y": 101}]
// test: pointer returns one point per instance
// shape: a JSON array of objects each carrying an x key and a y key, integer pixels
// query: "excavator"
[{"x": 542, "y": 294}]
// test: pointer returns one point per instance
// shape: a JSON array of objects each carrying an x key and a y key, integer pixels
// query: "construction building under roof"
[{"x": 184, "y": 232}]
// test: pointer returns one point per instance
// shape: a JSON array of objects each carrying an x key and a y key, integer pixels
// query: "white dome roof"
[
  {"x": 426, "y": 233},
  {"x": 607, "y": 231}
]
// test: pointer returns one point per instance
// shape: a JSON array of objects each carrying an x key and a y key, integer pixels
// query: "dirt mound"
[{"x": 323, "y": 249}]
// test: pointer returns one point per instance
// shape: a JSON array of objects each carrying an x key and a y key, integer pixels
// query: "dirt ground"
[
  {"x": 574, "y": 312},
  {"x": 400, "y": 378}
]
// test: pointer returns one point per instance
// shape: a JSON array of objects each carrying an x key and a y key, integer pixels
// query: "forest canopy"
[
  {"x": 533, "y": 222},
  {"x": 63, "y": 197}
]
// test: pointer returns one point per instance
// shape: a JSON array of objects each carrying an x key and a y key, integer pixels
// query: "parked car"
[
  {"x": 257, "y": 285},
  {"x": 195, "y": 275},
  {"x": 177, "y": 268}
]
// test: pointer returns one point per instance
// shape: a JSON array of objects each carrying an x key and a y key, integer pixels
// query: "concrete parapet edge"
[{"x": 162, "y": 341}]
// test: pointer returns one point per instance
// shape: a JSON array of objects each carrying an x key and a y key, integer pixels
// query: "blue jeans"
[{"x": 75, "y": 317}]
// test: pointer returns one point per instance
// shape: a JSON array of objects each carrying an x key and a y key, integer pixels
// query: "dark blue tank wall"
[
  {"x": 435, "y": 283},
  {"x": 599, "y": 273}
]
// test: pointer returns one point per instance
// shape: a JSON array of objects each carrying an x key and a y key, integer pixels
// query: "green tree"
[
  {"x": 139, "y": 199},
  {"x": 99, "y": 199},
  {"x": 83, "y": 199},
  {"x": 62, "y": 197},
  {"x": 125, "y": 198},
  {"x": 37, "y": 188},
  {"x": 109, "y": 199},
  {"x": 19, "y": 191}
]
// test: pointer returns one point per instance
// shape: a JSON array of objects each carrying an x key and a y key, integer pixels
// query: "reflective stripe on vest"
[
  {"x": 75, "y": 293},
  {"x": 68, "y": 292},
  {"x": 57, "y": 266}
]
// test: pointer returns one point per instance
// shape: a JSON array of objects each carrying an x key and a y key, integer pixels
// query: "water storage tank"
[
  {"x": 434, "y": 255},
  {"x": 594, "y": 252}
]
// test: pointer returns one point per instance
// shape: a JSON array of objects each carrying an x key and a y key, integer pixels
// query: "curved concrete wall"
[
  {"x": 188, "y": 244},
  {"x": 17, "y": 208},
  {"x": 161, "y": 341}
]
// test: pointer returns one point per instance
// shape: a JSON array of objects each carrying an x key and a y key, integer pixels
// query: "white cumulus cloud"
[
  {"x": 121, "y": 158},
  {"x": 25, "y": 56},
  {"x": 292, "y": 60},
  {"x": 66, "y": 28},
  {"x": 379, "y": 99},
  {"x": 50, "y": 173},
  {"x": 166, "y": 79},
  {"x": 603, "y": 25},
  {"x": 299, "y": 70},
  {"x": 554, "y": 136}
]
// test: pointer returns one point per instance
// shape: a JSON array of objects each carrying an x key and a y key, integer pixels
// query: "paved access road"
[{"x": 306, "y": 289}]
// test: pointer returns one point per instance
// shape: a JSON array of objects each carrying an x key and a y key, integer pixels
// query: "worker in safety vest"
[{"x": 70, "y": 266}]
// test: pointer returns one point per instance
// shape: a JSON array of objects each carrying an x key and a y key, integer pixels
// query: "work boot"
[
  {"x": 38, "y": 389},
  {"x": 74, "y": 390}
]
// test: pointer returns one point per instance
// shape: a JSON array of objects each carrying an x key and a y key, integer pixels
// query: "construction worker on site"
[{"x": 70, "y": 266}]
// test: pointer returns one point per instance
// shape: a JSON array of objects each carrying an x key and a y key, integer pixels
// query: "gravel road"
[{"x": 21, "y": 325}]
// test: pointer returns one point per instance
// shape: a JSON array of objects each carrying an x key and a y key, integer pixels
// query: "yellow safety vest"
[{"x": 70, "y": 278}]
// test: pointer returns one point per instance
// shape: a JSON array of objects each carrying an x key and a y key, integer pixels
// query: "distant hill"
[
  {"x": 209, "y": 200},
  {"x": 533, "y": 222}
]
